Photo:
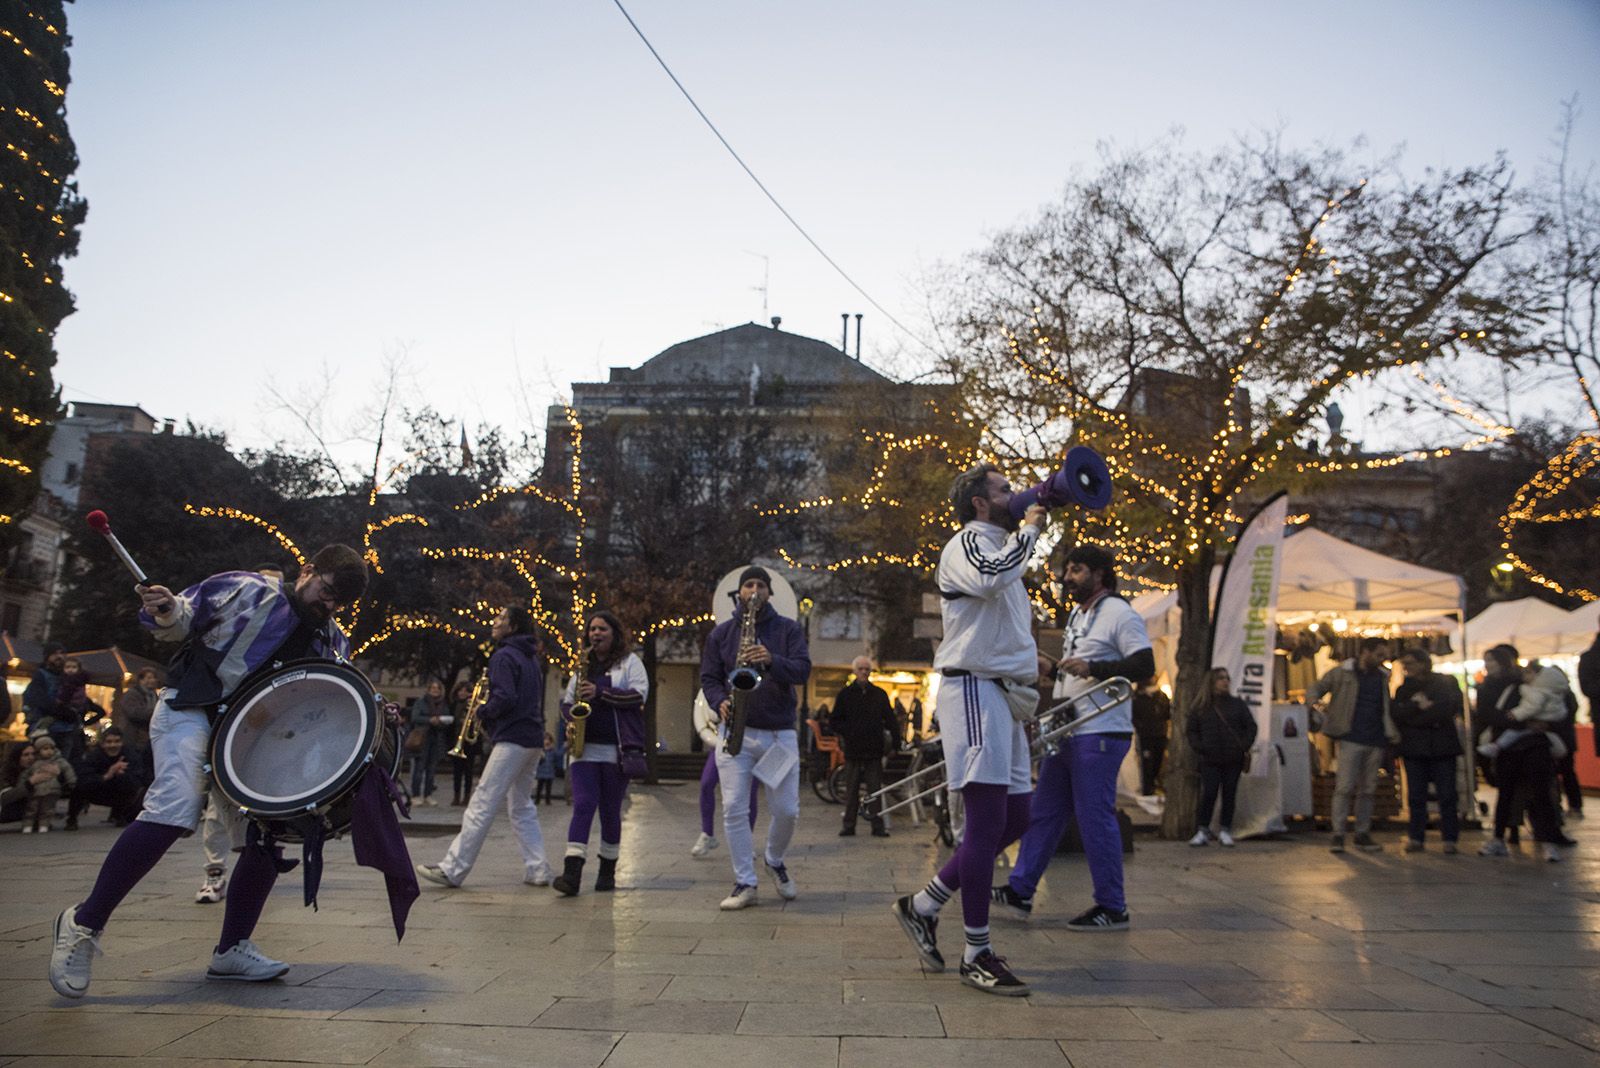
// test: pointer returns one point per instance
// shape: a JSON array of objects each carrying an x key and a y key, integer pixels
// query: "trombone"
[{"x": 1103, "y": 696}]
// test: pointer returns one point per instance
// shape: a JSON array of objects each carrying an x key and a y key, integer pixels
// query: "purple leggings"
[
  {"x": 994, "y": 820},
  {"x": 708, "y": 796},
  {"x": 596, "y": 786},
  {"x": 139, "y": 848}
]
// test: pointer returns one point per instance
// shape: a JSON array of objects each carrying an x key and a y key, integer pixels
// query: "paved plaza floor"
[{"x": 1274, "y": 953}]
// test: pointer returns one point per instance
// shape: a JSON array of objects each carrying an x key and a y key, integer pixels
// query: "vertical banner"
[{"x": 1244, "y": 627}]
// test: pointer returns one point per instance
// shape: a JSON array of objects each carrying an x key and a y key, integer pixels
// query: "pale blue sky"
[{"x": 508, "y": 190}]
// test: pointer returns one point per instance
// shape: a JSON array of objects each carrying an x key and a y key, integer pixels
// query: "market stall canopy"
[
  {"x": 113, "y": 666},
  {"x": 21, "y": 656},
  {"x": 1584, "y": 622},
  {"x": 1323, "y": 574},
  {"x": 1535, "y": 627}
]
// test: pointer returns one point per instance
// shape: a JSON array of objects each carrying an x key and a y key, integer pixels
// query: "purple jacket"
[
  {"x": 617, "y": 710},
  {"x": 772, "y": 705},
  {"x": 514, "y": 710}
]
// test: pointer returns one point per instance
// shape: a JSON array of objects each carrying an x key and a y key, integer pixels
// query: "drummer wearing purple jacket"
[
  {"x": 230, "y": 625},
  {"x": 771, "y": 752},
  {"x": 512, "y": 717}
]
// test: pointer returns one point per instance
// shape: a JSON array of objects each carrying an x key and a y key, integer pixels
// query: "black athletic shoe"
[
  {"x": 1099, "y": 919},
  {"x": 923, "y": 932},
  {"x": 990, "y": 974},
  {"x": 1015, "y": 904}
]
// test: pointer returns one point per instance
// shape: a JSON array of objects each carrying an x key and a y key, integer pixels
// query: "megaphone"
[{"x": 1084, "y": 480}]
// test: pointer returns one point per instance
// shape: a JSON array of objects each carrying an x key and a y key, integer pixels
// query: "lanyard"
[{"x": 1081, "y": 619}]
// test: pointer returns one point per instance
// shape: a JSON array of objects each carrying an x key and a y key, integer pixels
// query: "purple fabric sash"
[{"x": 375, "y": 835}]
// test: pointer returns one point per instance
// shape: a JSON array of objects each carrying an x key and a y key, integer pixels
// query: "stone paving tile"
[
  {"x": 1425, "y": 997},
  {"x": 434, "y": 1045},
  {"x": 994, "y": 1017},
  {"x": 112, "y": 995},
  {"x": 1221, "y": 1025},
  {"x": 1436, "y": 1026},
  {"x": 258, "y": 999},
  {"x": 888, "y": 1021},
  {"x": 90, "y": 1034},
  {"x": 728, "y": 988},
  {"x": 948, "y": 1053},
  {"x": 693, "y": 1017},
  {"x": 315, "y": 1041},
  {"x": 1265, "y": 994},
  {"x": 379, "y": 977},
  {"x": 1552, "y": 1054},
  {"x": 1560, "y": 1024},
  {"x": 646, "y": 1050},
  {"x": 507, "y": 1006},
  {"x": 1173, "y": 1054},
  {"x": 1395, "y": 1055}
]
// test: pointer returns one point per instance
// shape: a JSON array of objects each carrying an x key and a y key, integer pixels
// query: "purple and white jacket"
[{"x": 230, "y": 625}]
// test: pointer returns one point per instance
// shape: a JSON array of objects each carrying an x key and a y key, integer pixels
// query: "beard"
[
  {"x": 312, "y": 612},
  {"x": 1077, "y": 592},
  {"x": 1002, "y": 518}
]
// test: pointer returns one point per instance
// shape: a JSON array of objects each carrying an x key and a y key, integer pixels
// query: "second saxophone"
[{"x": 578, "y": 714}]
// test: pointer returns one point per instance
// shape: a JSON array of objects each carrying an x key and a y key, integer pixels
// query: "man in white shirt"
[
  {"x": 1104, "y": 638},
  {"x": 988, "y": 649}
]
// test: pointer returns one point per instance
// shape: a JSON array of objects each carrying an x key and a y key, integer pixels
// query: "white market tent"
[
  {"x": 1326, "y": 576},
  {"x": 1537, "y": 628}
]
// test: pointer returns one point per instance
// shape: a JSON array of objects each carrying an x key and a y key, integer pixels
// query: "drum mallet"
[{"x": 101, "y": 525}]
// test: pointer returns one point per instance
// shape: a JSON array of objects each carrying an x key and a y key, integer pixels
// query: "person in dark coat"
[
  {"x": 1589, "y": 685},
  {"x": 1152, "y": 721},
  {"x": 107, "y": 775},
  {"x": 1221, "y": 731},
  {"x": 863, "y": 718},
  {"x": 1427, "y": 708}
]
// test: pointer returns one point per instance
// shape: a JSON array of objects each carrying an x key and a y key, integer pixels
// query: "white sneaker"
[
  {"x": 1494, "y": 847},
  {"x": 27, "y": 828},
  {"x": 1226, "y": 837},
  {"x": 1552, "y": 854},
  {"x": 435, "y": 874},
  {"x": 780, "y": 875},
  {"x": 539, "y": 876},
  {"x": 73, "y": 956},
  {"x": 703, "y": 845},
  {"x": 214, "y": 889},
  {"x": 245, "y": 962},
  {"x": 44, "y": 828},
  {"x": 1200, "y": 838},
  {"x": 741, "y": 898}
]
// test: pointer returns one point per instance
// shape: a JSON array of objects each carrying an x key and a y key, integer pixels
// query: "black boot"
[
  {"x": 571, "y": 877},
  {"x": 607, "y": 879}
]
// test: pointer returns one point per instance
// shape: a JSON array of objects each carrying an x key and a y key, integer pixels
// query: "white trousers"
[
  {"x": 507, "y": 776},
  {"x": 783, "y": 801}
]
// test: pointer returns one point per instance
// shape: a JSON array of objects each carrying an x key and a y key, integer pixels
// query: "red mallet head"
[
  {"x": 101, "y": 525},
  {"x": 98, "y": 522}
]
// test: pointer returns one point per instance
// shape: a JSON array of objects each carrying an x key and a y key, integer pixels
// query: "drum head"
[{"x": 295, "y": 739}]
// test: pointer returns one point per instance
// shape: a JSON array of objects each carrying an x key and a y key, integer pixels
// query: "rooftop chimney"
[
  {"x": 777, "y": 321},
  {"x": 844, "y": 342},
  {"x": 858, "y": 337}
]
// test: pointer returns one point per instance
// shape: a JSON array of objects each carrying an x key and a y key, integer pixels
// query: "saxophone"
[
  {"x": 470, "y": 730},
  {"x": 578, "y": 714},
  {"x": 743, "y": 679}
]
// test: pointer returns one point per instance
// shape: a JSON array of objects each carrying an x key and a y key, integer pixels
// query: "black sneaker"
[
  {"x": 1365, "y": 843},
  {"x": 847, "y": 832},
  {"x": 923, "y": 932},
  {"x": 990, "y": 974},
  {"x": 1019, "y": 907},
  {"x": 1099, "y": 919}
]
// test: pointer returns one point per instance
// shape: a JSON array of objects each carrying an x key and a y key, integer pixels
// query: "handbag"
[
  {"x": 416, "y": 739},
  {"x": 1249, "y": 752},
  {"x": 1021, "y": 699},
  {"x": 631, "y": 757}
]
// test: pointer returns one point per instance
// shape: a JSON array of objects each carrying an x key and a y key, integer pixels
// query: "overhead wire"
[{"x": 801, "y": 230}]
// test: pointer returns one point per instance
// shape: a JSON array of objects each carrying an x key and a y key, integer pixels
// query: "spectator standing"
[
  {"x": 432, "y": 712},
  {"x": 1221, "y": 731},
  {"x": 1527, "y": 765},
  {"x": 1357, "y": 718},
  {"x": 463, "y": 768},
  {"x": 864, "y": 720},
  {"x": 52, "y": 778},
  {"x": 1152, "y": 720},
  {"x": 1497, "y": 694},
  {"x": 131, "y": 715},
  {"x": 1427, "y": 709},
  {"x": 1589, "y": 686},
  {"x": 544, "y": 776}
]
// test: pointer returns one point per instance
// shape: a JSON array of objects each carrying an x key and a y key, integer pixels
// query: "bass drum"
[{"x": 294, "y": 743}]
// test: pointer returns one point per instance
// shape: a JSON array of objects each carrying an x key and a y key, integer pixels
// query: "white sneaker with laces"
[
  {"x": 741, "y": 898},
  {"x": 787, "y": 889},
  {"x": 245, "y": 962},
  {"x": 435, "y": 874},
  {"x": 1226, "y": 837},
  {"x": 214, "y": 889},
  {"x": 72, "y": 958},
  {"x": 703, "y": 845},
  {"x": 1200, "y": 838},
  {"x": 540, "y": 876}
]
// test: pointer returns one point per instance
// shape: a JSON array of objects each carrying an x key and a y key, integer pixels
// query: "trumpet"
[
  {"x": 578, "y": 714},
  {"x": 471, "y": 730},
  {"x": 1053, "y": 726}
]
